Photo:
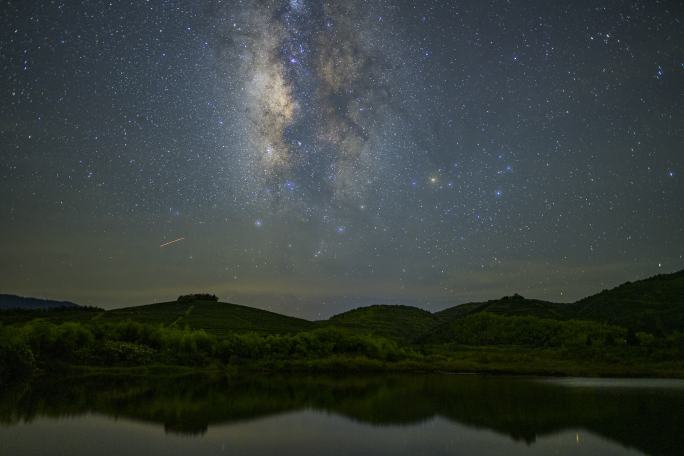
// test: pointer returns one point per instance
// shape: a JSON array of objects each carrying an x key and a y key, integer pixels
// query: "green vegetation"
[
  {"x": 514, "y": 305},
  {"x": 216, "y": 318},
  {"x": 43, "y": 345},
  {"x": 401, "y": 323},
  {"x": 56, "y": 315},
  {"x": 594, "y": 336},
  {"x": 490, "y": 329},
  {"x": 654, "y": 305}
]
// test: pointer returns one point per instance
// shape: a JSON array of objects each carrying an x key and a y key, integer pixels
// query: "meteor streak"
[{"x": 171, "y": 242}]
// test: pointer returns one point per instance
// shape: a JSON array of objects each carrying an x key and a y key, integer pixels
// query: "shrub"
[
  {"x": 127, "y": 353},
  {"x": 16, "y": 359},
  {"x": 491, "y": 329}
]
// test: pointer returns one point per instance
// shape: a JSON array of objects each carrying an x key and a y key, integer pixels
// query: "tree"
[{"x": 197, "y": 297}]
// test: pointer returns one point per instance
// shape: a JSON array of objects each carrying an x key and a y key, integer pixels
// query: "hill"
[
  {"x": 599, "y": 335},
  {"x": 654, "y": 305},
  {"x": 218, "y": 318},
  {"x": 8, "y": 301},
  {"x": 514, "y": 305},
  {"x": 396, "y": 322}
]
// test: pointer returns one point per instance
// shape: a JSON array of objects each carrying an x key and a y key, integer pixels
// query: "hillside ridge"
[
  {"x": 654, "y": 304},
  {"x": 12, "y": 301}
]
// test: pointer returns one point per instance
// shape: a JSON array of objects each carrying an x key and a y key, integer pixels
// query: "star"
[{"x": 366, "y": 133}]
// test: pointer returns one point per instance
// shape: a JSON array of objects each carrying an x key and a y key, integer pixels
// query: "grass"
[
  {"x": 509, "y": 306},
  {"x": 457, "y": 360},
  {"x": 216, "y": 318},
  {"x": 401, "y": 323},
  {"x": 220, "y": 319},
  {"x": 550, "y": 362},
  {"x": 165, "y": 313}
]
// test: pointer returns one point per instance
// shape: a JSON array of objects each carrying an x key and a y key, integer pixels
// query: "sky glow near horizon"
[{"x": 316, "y": 156}]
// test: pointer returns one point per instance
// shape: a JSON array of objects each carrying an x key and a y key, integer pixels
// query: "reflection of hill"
[{"x": 650, "y": 420}]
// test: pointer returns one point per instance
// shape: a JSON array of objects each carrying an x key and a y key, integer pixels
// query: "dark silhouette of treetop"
[{"x": 197, "y": 297}]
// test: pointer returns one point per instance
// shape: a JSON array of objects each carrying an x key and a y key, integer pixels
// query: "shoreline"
[{"x": 164, "y": 370}]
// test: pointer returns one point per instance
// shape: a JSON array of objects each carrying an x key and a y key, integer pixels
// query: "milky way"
[
  {"x": 315, "y": 156},
  {"x": 315, "y": 92}
]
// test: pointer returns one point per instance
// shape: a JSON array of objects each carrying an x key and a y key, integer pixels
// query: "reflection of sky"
[
  {"x": 305, "y": 432},
  {"x": 635, "y": 384}
]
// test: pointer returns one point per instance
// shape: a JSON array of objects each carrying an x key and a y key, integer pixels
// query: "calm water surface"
[{"x": 428, "y": 414}]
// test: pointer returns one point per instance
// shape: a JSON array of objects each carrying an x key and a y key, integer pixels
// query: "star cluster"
[{"x": 320, "y": 155}]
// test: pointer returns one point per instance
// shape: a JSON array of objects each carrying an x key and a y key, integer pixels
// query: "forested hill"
[{"x": 654, "y": 305}]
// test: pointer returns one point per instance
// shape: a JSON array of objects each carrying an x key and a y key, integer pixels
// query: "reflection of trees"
[{"x": 522, "y": 409}]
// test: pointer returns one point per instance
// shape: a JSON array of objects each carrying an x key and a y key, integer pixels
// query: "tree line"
[{"x": 42, "y": 345}]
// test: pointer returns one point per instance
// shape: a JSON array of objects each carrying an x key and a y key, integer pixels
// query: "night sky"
[{"x": 315, "y": 156}]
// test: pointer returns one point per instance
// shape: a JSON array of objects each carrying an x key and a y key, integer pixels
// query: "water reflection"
[{"x": 646, "y": 416}]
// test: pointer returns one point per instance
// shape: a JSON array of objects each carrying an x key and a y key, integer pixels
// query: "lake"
[{"x": 363, "y": 414}]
